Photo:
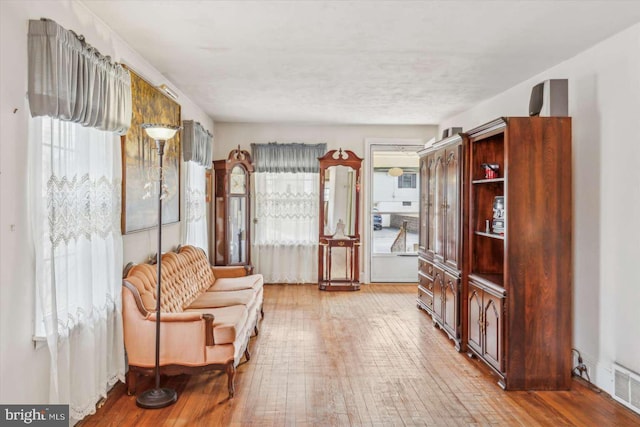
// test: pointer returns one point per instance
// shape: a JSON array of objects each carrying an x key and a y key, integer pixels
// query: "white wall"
[
  {"x": 227, "y": 136},
  {"x": 25, "y": 370},
  {"x": 604, "y": 101}
]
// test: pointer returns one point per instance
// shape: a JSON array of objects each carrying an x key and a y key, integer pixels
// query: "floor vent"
[{"x": 626, "y": 387}]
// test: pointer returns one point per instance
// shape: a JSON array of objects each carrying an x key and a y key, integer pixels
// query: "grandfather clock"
[{"x": 232, "y": 209}]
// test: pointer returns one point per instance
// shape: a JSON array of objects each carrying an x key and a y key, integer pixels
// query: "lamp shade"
[
  {"x": 395, "y": 172},
  {"x": 159, "y": 131}
]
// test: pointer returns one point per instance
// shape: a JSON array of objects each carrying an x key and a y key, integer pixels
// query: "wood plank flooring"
[{"x": 367, "y": 358}]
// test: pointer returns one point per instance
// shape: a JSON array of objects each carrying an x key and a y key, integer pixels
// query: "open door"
[{"x": 394, "y": 213}]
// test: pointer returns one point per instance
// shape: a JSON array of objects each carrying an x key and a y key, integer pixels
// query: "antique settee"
[{"x": 207, "y": 316}]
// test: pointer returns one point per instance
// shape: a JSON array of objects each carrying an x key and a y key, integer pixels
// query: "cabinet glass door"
[
  {"x": 452, "y": 208},
  {"x": 422, "y": 239},
  {"x": 431, "y": 205},
  {"x": 439, "y": 202}
]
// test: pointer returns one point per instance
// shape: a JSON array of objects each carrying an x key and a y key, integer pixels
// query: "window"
[
  {"x": 75, "y": 218},
  {"x": 74, "y": 211},
  {"x": 285, "y": 244},
  {"x": 408, "y": 180},
  {"x": 286, "y": 208}
]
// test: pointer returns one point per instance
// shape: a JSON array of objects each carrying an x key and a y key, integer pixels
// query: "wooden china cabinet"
[
  {"x": 440, "y": 238},
  {"x": 518, "y": 261},
  {"x": 232, "y": 209}
]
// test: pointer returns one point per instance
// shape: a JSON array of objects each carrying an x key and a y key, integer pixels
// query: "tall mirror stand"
[{"x": 339, "y": 225}]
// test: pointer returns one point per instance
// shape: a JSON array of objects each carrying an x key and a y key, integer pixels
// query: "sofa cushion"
[
  {"x": 228, "y": 322},
  {"x": 253, "y": 281},
  {"x": 224, "y": 299}
]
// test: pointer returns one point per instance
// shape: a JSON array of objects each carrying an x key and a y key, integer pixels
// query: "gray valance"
[
  {"x": 274, "y": 157},
  {"x": 196, "y": 143},
  {"x": 70, "y": 80}
]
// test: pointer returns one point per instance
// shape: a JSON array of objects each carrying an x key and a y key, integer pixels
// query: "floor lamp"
[{"x": 158, "y": 397}]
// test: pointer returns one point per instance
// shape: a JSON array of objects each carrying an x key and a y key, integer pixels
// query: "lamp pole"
[{"x": 158, "y": 397}]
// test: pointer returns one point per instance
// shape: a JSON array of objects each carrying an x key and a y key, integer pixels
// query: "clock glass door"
[
  {"x": 237, "y": 229},
  {"x": 238, "y": 181}
]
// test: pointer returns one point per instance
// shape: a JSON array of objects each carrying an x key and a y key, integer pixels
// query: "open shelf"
[
  {"x": 490, "y": 235},
  {"x": 487, "y": 181},
  {"x": 488, "y": 279}
]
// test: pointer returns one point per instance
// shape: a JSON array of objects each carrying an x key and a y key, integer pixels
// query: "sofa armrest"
[
  {"x": 208, "y": 327},
  {"x": 189, "y": 317},
  {"x": 220, "y": 272},
  {"x": 177, "y": 317},
  {"x": 185, "y": 336}
]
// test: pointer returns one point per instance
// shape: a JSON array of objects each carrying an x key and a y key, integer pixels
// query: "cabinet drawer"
[
  {"x": 425, "y": 282},
  {"x": 425, "y": 267},
  {"x": 426, "y": 298}
]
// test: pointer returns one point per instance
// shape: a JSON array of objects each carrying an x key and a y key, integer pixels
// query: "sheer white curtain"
[
  {"x": 195, "y": 225},
  {"x": 75, "y": 215},
  {"x": 285, "y": 245}
]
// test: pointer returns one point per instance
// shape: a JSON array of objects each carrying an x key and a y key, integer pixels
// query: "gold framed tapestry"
[{"x": 140, "y": 160}]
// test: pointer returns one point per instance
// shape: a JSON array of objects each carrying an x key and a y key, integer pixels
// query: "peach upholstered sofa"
[{"x": 207, "y": 316}]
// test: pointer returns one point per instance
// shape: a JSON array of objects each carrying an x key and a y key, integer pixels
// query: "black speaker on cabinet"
[{"x": 550, "y": 98}]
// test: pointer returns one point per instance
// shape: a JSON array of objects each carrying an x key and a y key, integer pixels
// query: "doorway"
[{"x": 393, "y": 210}]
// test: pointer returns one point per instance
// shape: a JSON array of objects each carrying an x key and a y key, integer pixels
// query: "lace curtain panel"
[
  {"x": 195, "y": 226},
  {"x": 285, "y": 245},
  {"x": 75, "y": 217},
  {"x": 70, "y": 80}
]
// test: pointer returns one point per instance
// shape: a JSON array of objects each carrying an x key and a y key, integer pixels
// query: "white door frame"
[{"x": 369, "y": 143}]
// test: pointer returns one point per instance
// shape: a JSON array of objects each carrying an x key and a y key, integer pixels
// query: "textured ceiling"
[{"x": 375, "y": 62}]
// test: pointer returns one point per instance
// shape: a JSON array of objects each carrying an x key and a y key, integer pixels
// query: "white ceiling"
[{"x": 364, "y": 62}]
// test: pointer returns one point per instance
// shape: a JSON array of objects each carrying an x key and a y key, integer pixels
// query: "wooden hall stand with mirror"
[{"x": 339, "y": 225}]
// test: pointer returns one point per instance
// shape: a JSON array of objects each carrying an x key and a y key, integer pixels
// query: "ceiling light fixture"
[{"x": 395, "y": 172}]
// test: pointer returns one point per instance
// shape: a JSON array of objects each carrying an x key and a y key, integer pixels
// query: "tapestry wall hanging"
[{"x": 140, "y": 160}]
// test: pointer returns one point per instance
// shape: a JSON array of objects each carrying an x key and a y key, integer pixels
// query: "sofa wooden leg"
[
  {"x": 231, "y": 376},
  {"x": 247, "y": 355},
  {"x": 132, "y": 377}
]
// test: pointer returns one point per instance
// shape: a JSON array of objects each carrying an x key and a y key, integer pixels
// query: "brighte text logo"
[{"x": 40, "y": 415}]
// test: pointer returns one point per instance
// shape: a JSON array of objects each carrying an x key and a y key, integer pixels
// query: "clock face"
[{"x": 237, "y": 181}]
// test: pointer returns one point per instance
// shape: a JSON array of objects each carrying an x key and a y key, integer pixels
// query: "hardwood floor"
[{"x": 357, "y": 358}]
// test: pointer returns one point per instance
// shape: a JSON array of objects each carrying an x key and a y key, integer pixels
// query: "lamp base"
[{"x": 157, "y": 398}]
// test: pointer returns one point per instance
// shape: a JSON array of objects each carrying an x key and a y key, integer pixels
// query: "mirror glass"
[
  {"x": 339, "y": 201},
  {"x": 237, "y": 230}
]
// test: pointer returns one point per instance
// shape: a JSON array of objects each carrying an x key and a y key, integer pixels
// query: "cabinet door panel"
[
  {"x": 450, "y": 304},
  {"x": 452, "y": 207},
  {"x": 493, "y": 346},
  {"x": 474, "y": 339},
  {"x": 438, "y": 294}
]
